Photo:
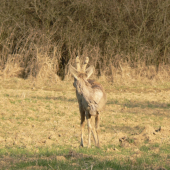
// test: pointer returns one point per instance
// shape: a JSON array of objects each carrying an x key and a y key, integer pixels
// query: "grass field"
[{"x": 40, "y": 127}]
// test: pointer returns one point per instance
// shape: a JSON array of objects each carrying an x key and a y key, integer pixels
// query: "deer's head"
[{"x": 81, "y": 74}]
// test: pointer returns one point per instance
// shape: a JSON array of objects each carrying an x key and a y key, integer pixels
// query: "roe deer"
[{"x": 91, "y": 98}]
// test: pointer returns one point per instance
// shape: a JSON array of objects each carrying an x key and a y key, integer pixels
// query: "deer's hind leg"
[{"x": 97, "y": 122}]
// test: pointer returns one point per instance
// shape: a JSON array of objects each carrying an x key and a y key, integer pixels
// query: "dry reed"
[{"x": 125, "y": 40}]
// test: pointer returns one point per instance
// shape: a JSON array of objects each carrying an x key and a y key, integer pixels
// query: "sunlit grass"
[{"x": 37, "y": 126}]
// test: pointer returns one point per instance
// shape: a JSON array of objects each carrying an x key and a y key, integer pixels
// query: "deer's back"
[{"x": 97, "y": 99}]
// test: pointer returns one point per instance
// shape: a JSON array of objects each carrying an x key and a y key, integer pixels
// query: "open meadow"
[
  {"x": 127, "y": 42},
  {"x": 40, "y": 127}
]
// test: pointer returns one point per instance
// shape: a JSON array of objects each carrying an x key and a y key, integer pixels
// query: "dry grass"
[
  {"x": 114, "y": 32},
  {"x": 135, "y": 123},
  {"x": 43, "y": 71}
]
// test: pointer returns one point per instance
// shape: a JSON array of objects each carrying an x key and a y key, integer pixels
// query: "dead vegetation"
[
  {"x": 135, "y": 124},
  {"x": 122, "y": 39},
  {"x": 42, "y": 72}
]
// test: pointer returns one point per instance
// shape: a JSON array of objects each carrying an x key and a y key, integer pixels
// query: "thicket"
[{"x": 53, "y": 32}]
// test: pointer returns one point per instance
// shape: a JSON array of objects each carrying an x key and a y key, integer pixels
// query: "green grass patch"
[
  {"x": 156, "y": 145},
  {"x": 144, "y": 148},
  {"x": 80, "y": 158},
  {"x": 165, "y": 149},
  {"x": 84, "y": 163}
]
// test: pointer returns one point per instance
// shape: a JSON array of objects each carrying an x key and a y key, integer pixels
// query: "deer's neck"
[{"x": 84, "y": 89}]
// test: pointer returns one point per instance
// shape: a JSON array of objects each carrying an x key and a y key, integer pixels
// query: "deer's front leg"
[
  {"x": 82, "y": 124},
  {"x": 82, "y": 128},
  {"x": 88, "y": 117}
]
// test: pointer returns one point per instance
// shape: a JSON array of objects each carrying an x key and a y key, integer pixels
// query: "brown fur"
[
  {"x": 95, "y": 84},
  {"x": 91, "y": 98}
]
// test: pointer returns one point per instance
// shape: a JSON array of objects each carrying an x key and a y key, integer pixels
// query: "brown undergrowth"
[{"x": 42, "y": 71}]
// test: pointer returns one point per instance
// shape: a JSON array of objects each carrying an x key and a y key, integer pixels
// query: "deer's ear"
[
  {"x": 89, "y": 71},
  {"x": 73, "y": 71}
]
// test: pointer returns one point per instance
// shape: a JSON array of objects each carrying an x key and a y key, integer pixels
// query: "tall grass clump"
[{"x": 113, "y": 33}]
